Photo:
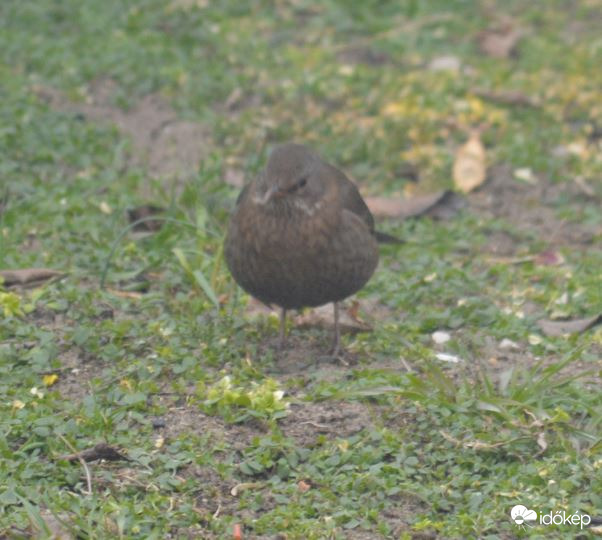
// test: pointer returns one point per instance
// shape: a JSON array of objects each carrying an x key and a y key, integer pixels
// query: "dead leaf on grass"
[
  {"x": 126, "y": 294},
  {"x": 404, "y": 208},
  {"x": 470, "y": 168},
  {"x": 501, "y": 41},
  {"x": 506, "y": 97},
  {"x": 575, "y": 326},
  {"x": 549, "y": 257},
  {"x": 303, "y": 486},
  {"x": 50, "y": 379},
  {"x": 27, "y": 276}
]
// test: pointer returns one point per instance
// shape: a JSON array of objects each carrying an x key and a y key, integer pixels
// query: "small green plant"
[
  {"x": 237, "y": 404},
  {"x": 10, "y": 303}
]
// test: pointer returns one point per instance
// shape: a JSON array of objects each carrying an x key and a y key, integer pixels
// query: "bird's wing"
[
  {"x": 243, "y": 194},
  {"x": 350, "y": 196}
]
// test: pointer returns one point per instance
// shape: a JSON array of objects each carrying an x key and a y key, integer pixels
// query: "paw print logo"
[{"x": 521, "y": 515}]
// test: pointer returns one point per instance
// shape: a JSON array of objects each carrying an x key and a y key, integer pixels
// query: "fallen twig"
[{"x": 83, "y": 464}]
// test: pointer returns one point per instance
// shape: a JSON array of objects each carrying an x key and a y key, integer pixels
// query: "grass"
[{"x": 165, "y": 364}]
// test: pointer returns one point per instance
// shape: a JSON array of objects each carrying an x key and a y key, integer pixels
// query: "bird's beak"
[{"x": 274, "y": 192}]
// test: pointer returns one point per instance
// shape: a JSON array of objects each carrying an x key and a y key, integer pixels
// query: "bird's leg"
[
  {"x": 336, "y": 344},
  {"x": 282, "y": 328}
]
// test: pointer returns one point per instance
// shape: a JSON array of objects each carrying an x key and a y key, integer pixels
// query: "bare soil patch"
[
  {"x": 166, "y": 145},
  {"x": 332, "y": 419},
  {"x": 530, "y": 207}
]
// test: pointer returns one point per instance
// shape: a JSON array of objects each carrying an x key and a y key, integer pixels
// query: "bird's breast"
[{"x": 300, "y": 258}]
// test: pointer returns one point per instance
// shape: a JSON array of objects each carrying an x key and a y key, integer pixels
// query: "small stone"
[
  {"x": 508, "y": 344},
  {"x": 444, "y": 357},
  {"x": 440, "y": 337}
]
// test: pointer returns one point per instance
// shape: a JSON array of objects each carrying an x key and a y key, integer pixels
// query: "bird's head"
[{"x": 291, "y": 179}]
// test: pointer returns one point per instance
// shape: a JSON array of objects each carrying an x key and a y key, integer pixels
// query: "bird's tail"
[{"x": 384, "y": 238}]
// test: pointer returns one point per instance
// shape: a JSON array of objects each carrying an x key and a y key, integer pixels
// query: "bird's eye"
[{"x": 300, "y": 183}]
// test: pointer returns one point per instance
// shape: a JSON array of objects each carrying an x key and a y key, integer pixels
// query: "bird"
[{"x": 301, "y": 236}]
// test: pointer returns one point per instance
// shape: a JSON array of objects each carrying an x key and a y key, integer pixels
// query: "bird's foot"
[
  {"x": 335, "y": 356},
  {"x": 338, "y": 355}
]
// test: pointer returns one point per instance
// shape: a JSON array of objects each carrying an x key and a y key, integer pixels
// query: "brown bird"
[{"x": 301, "y": 235}]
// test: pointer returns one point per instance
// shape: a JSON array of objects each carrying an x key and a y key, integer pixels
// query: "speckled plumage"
[{"x": 301, "y": 234}]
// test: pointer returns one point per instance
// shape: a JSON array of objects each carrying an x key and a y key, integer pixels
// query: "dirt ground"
[{"x": 171, "y": 149}]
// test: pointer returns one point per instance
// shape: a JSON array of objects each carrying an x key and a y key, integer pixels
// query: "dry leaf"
[
  {"x": 506, "y": 97},
  {"x": 26, "y": 276},
  {"x": 50, "y": 379},
  {"x": 403, "y": 208},
  {"x": 125, "y": 294},
  {"x": 500, "y": 42},
  {"x": 303, "y": 486},
  {"x": 575, "y": 326},
  {"x": 470, "y": 169},
  {"x": 549, "y": 257}
]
